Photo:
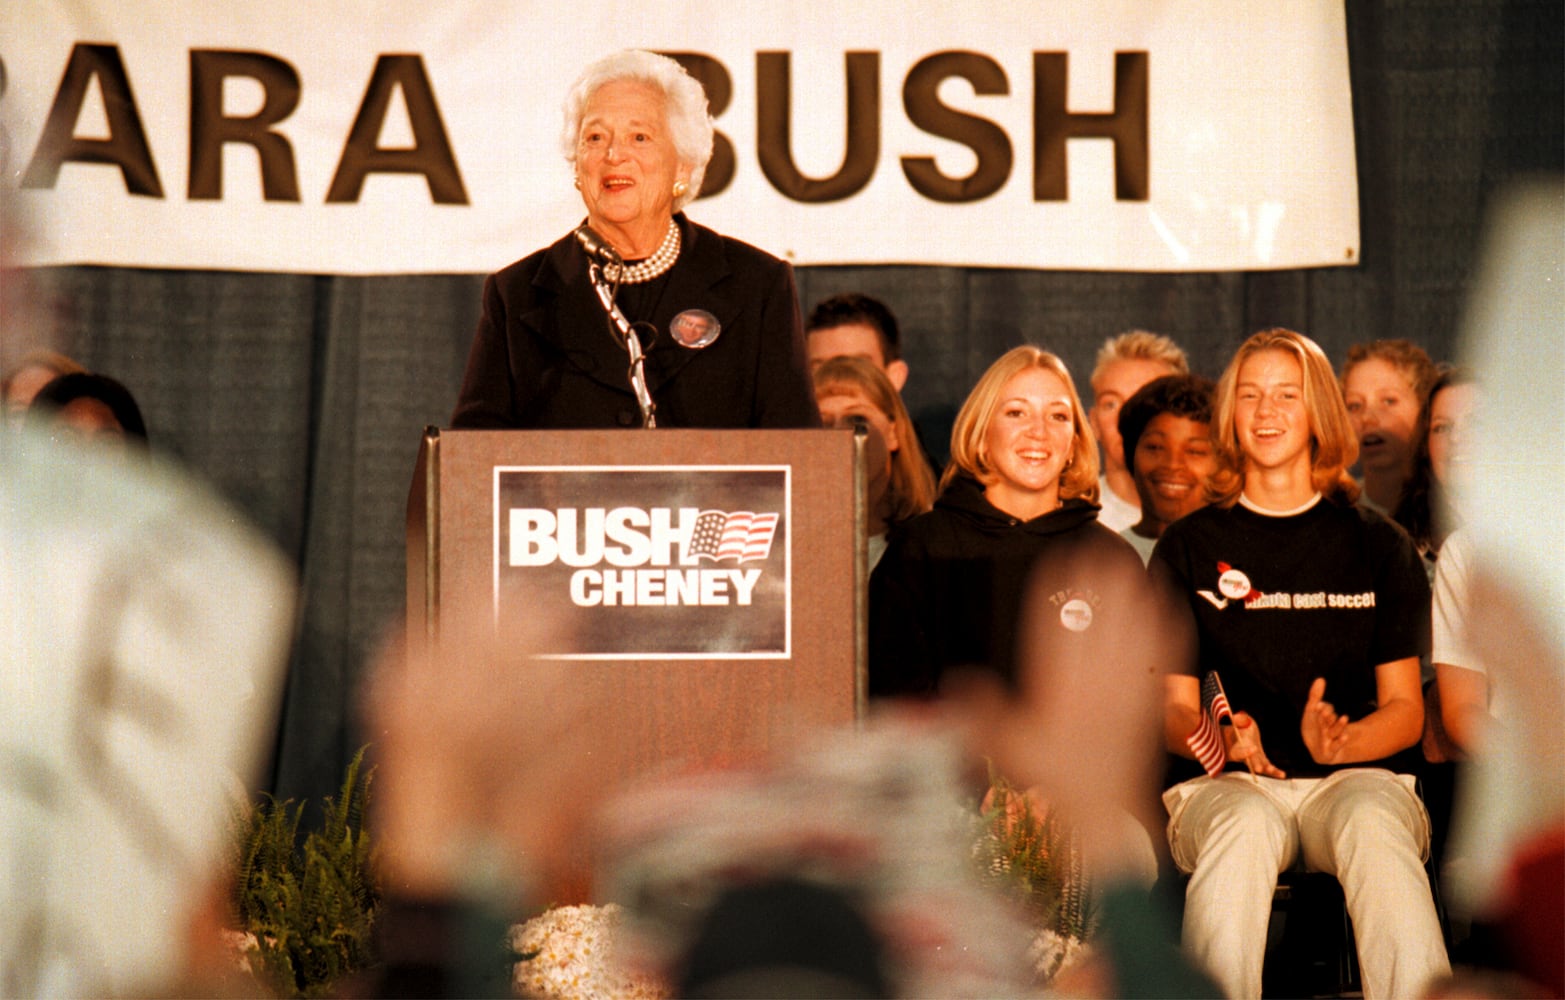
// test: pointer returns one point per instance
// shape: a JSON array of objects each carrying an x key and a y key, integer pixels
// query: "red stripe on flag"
[{"x": 1206, "y": 743}]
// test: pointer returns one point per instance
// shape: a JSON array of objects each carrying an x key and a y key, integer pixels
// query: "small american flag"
[
  {"x": 1207, "y": 740},
  {"x": 740, "y": 535}
]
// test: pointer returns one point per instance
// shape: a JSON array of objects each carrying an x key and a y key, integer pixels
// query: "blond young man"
[{"x": 1125, "y": 363}]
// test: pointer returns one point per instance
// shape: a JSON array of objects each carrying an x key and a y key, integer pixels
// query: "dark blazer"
[{"x": 543, "y": 356}]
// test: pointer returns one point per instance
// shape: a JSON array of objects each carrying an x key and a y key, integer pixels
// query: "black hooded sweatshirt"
[{"x": 949, "y": 591}]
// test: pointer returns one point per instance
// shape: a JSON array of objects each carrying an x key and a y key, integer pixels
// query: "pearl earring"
[{"x": 680, "y": 187}]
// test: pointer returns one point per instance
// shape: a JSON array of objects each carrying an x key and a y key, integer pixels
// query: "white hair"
[{"x": 690, "y": 126}]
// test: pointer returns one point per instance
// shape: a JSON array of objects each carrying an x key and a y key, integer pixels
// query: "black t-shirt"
[{"x": 1332, "y": 592}]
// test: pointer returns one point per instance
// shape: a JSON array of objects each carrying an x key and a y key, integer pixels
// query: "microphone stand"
[{"x": 638, "y": 375}]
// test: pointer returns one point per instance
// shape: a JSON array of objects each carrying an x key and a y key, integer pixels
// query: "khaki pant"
[{"x": 1234, "y": 834}]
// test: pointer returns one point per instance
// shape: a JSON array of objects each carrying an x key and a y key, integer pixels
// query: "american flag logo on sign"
[{"x": 741, "y": 535}]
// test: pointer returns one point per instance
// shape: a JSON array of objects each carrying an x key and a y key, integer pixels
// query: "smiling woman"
[
  {"x": 1166, "y": 430},
  {"x": 1017, "y": 504},
  {"x": 1440, "y": 453},
  {"x": 717, "y": 320}
]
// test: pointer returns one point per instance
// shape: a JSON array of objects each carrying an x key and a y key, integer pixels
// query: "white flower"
[
  {"x": 240, "y": 945},
  {"x": 1051, "y": 954},
  {"x": 574, "y": 958}
]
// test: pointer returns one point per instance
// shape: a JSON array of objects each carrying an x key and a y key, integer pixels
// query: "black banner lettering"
[
  {"x": 5, "y": 137},
  {"x": 988, "y": 141},
  {"x": 774, "y": 124},
  {"x": 210, "y": 129},
  {"x": 719, "y": 86},
  {"x": 126, "y": 147},
  {"x": 431, "y": 154},
  {"x": 1126, "y": 126}
]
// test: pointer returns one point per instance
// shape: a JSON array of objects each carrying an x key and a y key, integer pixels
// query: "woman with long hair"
[
  {"x": 1425, "y": 510},
  {"x": 1018, "y": 498},
  {"x": 1165, "y": 428},
  {"x": 1463, "y": 691},
  {"x": 900, "y": 488},
  {"x": 1312, "y": 611}
]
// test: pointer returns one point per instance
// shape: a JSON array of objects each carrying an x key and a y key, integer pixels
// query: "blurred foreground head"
[
  {"x": 142, "y": 651},
  {"x": 1510, "y": 825},
  {"x": 142, "y": 655},
  {"x": 1512, "y": 334}
]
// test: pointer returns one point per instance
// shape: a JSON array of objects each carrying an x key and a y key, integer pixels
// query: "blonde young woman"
[
  {"x": 1017, "y": 502},
  {"x": 901, "y": 487},
  {"x": 1313, "y": 611}
]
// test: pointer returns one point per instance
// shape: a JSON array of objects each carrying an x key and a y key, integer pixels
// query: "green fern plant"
[{"x": 309, "y": 906}]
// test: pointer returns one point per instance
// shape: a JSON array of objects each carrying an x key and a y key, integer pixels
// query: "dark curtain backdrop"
[{"x": 303, "y": 397}]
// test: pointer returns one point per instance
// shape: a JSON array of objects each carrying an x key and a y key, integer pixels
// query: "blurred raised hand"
[{"x": 480, "y": 747}]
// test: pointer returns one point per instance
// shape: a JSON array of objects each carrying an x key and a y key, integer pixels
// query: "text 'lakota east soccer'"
[{"x": 652, "y": 563}]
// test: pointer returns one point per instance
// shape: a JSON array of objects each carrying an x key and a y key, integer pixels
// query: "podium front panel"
[{"x": 713, "y": 578}]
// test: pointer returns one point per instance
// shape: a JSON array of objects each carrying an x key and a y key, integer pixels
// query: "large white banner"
[{"x": 383, "y": 136}]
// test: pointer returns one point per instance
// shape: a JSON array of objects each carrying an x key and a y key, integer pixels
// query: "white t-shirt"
[
  {"x": 1452, "y": 599},
  {"x": 1116, "y": 515},
  {"x": 1143, "y": 546}
]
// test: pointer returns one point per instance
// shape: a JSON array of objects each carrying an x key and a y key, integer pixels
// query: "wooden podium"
[{"x": 719, "y": 575}]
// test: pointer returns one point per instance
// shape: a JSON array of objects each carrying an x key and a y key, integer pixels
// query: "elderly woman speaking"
[{"x": 713, "y": 322}]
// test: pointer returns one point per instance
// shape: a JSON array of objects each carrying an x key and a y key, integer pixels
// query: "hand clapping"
[{"x": 1325, "y": 732}]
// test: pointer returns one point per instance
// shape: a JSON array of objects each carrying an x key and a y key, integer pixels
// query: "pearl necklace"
[{"x": 654, "y": 266}]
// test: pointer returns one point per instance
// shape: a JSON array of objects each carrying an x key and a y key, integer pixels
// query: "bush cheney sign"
[
  {"x": 652, "y": 563},
  {"x": 1083, "y": 134}
]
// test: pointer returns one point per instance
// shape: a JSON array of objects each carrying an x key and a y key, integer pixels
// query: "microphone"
[{"x": 596, "y": 246}]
